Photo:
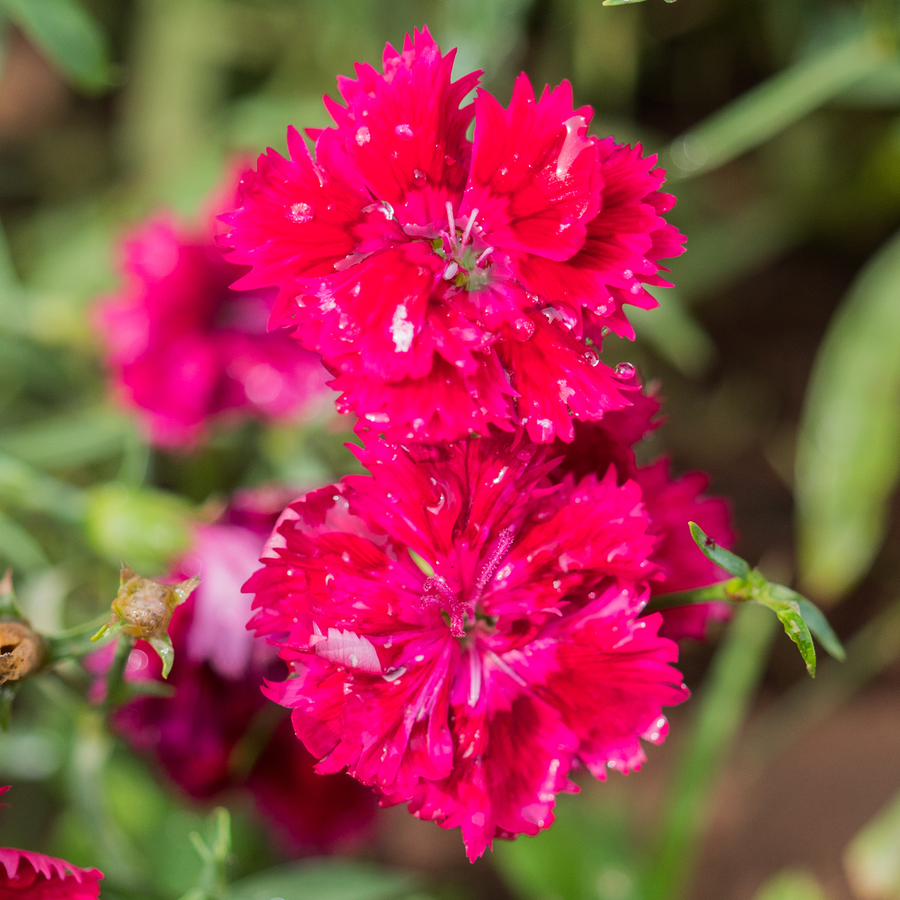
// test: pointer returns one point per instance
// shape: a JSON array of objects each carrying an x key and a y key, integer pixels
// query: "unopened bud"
[
  {"x": 143, "y": 608},
  {"x": 21, "y": 651}
]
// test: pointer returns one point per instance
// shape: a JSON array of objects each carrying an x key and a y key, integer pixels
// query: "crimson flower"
[
  {"x": 33, "y": 876},
  {"x": 461, "y": 632},
  {"x": 670, "y": 504},
  {"x": 217, "y": 732},
  {"x": 185, "y": 349},
  {"x": 452, "y": 284}
]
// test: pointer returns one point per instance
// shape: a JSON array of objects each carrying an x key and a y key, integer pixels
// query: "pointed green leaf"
[
  {"x": 621, "y": 2},
  {"x": 71, "y": 37},
  {"x": 788, "y": 612},
  {"x": 848, "y": 452},
  {"x": 727, "y": 560},
  {"x": 821, "y": 629}
]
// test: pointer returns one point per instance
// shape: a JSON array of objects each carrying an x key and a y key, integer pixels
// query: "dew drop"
[
  {"x": 591, "y": 356},
  {"x": 419, "y": 177},
  {"x": 624, "y": 370},
  {"x": 449, "y": 161},
  {"x": 363, "y": 135},
  {"x": 300, "y": 213},
  {"x": 636, "y": 288},
  {"x": 403, "y": 131},
  {"x": 523, "y": 328},
  {"x": 628, "y": 274}
]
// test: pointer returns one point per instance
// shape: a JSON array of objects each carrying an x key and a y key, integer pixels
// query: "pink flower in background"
[
  {"x": 453, "y": 284},
  {"x": 461, "y": 632},
  {"x": 185, "y": 349},
  {"x": 670, "y": 504},
  {"x": 218, "y": 731},
  {"x": 34, "y": 876}
]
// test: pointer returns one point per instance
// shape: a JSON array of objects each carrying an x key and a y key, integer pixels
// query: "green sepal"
[
  {"x": 421, "y": 562},
  {"x": 162, "y": 644},
  {"x": 723, "y": 558}
]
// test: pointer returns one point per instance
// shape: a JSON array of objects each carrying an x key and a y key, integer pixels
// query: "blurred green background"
[{"x": 778, "y": 352}]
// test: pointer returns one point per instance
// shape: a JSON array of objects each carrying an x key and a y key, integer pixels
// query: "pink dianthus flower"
[
  {"x": 33, "y": 876},
  {"x": 185, "y": 349},
  {"x": 217, "y": 732},
  {"x": 461, "y": 632},
  {"x": 452, "y": 284},
  {"x": 670, "y": 504}
]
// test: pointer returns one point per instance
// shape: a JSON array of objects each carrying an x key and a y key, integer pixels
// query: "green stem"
[
  {"x": 736, "y": 671},
  {"x": 74, "y": 643},
  {"x": 115, "y": 678},
  {"x": 688, "y": 598}
]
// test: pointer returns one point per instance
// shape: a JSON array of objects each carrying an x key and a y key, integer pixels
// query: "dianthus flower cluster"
[
  {"x": 217, "y": 733},
  {"x": 454, "y": 284},
  {"x": 465, "y": 627},
  {"x": 185, "y": 349}
]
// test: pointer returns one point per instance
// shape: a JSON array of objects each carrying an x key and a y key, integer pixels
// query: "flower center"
[
  {"x": 467, "y": 255},
  {"x": 457, "y": 608}
]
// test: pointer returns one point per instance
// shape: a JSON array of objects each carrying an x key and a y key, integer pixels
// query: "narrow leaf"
[
  {"x": 723, "y": 558},
  {"x": 764, "y": 111},
  {"x": 65, "y": 31},
  {"x": 848, "y": 453},
  {"x": 821, "y": 629},
  {"x": 788, "y": 612}
]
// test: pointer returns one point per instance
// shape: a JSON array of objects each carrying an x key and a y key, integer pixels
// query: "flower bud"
[
  {"x": 143, "y": 608},
  {"x": 21, "y": 651}
]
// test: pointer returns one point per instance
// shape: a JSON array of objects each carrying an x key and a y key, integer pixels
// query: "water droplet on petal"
[
  {"x": 419, "y": 177},
  {"x": 624, "y": 371},
  {"x": 449, "y": 161},
  {"x": 628, "y": 274},
  {"x": 363, "y": 135},
  {"x": 300, "y": 213},
  {"x": 591, "y": 356},
  {"x": 403, "y": 131},
  {"x": 523, "y": 328},
  {"x": 636, "y": 288}
]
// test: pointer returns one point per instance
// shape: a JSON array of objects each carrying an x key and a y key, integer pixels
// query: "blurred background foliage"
[{"x": 778, "y": 352}]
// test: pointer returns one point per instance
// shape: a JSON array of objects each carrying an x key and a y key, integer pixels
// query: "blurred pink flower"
[
  {"x": 185, "y": 349},
  {"x": 33, "y": 876},
  {"x": 461, "y": 632},
  {"x": 452, "y": 284},
  {"x": 218, "y": 732}
]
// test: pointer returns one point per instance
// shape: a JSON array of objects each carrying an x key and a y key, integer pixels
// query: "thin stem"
[
  {"x": 688, "y": 598},
  {"x": 736, "y": 671},
  {"x": 115, "y": 677}
]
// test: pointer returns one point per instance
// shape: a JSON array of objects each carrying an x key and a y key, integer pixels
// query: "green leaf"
[
  {"x": 780, "y": 601},
  {"x": 334, "y": 879},
  {"x": 65, "y": 31},
  {"x": 723, "y": 558},
  {"x": 764, "y": 111},
  {"x": 792, "y": 884},
  {"x": 162, "y": 644},
  {"x": 821, "y": 629},
  {"x": 848, "y": 453},
  {"x": 622, "y": 2},
  {"x": 872, "y": 860}
]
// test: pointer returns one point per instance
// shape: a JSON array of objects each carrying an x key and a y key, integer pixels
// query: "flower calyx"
[{"x": 143, "y": 608}]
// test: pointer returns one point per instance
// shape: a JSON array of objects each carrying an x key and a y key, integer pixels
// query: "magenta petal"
[{"x": 535, "y": 175}]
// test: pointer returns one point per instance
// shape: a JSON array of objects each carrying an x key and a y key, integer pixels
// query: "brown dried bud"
[
  {"x": 21, "y": 651},
  {"x": 143, "y": 608}
]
